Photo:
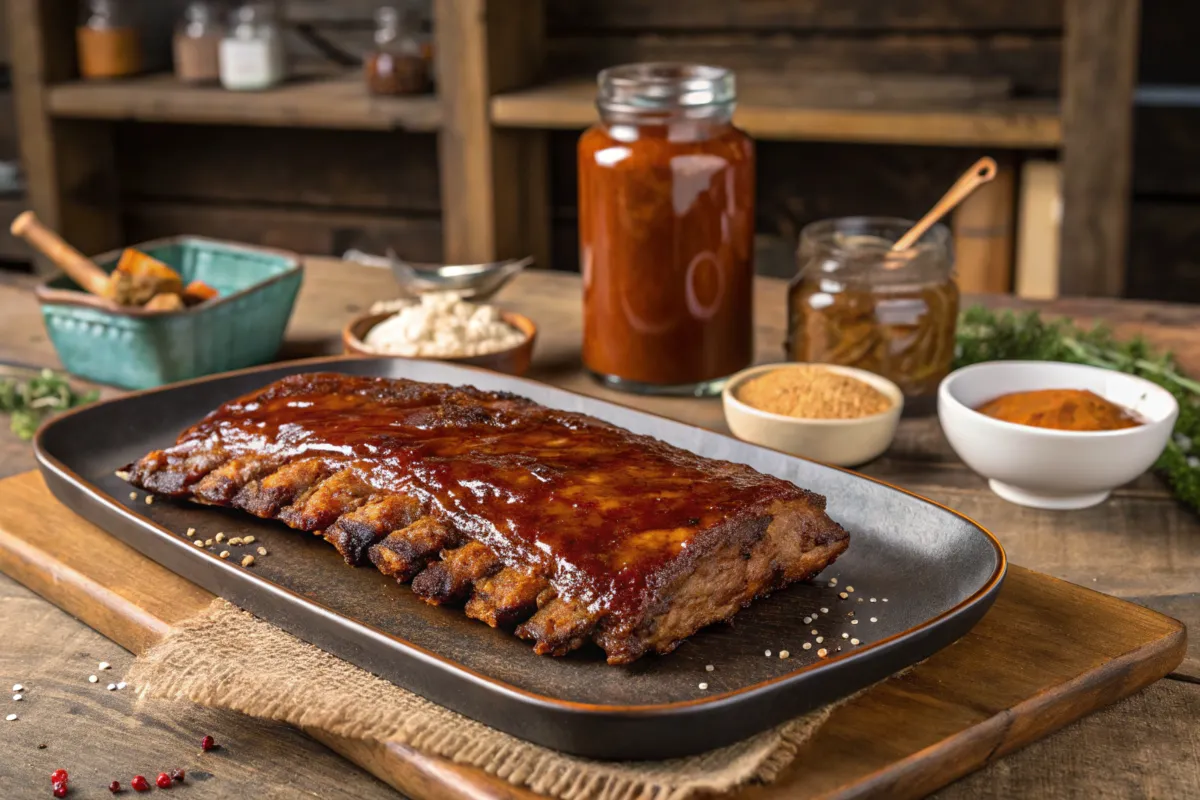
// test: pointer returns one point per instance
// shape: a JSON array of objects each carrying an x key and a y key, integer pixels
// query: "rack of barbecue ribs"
[{"x": 564, "y": 526}]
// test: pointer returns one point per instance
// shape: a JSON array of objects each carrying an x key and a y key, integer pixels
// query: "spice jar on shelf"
[
  {"x": 107, "y": 40},
  {"x": 252, "y": 57},
  {"x": 400, "y": 62},
  {"x": 197, "y": 44},
  {"x": 857, "y": 303},
  {"x": 666, "y": 231}
]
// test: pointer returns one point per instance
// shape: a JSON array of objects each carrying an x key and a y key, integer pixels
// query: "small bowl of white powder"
[{"x": 443, "y": 327}]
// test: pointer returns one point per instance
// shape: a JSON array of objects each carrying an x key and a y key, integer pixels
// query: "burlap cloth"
[{"x": 226, "y": 658}]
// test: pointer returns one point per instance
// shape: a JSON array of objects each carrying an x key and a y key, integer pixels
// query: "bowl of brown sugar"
[{"x": 839, "y": 415}]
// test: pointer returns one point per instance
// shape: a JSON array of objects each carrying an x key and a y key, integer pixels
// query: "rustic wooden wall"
[{"x": 1164, "y": 257}]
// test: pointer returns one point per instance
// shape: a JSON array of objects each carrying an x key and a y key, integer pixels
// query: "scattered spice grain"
[
  {"x": 220, "y": 537},
  {"x": 191, "y": 532},
  {"x": 208, "y": 542},
  {"x": 18, "y": 687},
  {"x": 224, "y": 554},
  {"x": 262, "y": 551},
  {"x": 133, "y": 495},
  {"x": 104, "y": 665},
  {"x": 767, "y": 653},
  {"x": 708, "y": 667},
  {"x": 843, "y": 595},
  {"x": 822, "y": 652},
  {"x": 247, "y": 561},
  {"x": 247, "y": 540},
  {"x": 784, "y": 654},
  {"x": 235, "y": 541},
  {"x": 92, "y": 679},
  {"x": 199, "y": 543},
  {"x": 854, "y": 641},
  {"x": 807, "y": 645},
  {"x": 18, "y": 698},
  {"x": 874, "y": 619},
  {"x": 149, "y": 499},
  {"x": 812, "y": 392},
  {"x": 12, "y": 718},
  {"x": 833, "y": 581}
]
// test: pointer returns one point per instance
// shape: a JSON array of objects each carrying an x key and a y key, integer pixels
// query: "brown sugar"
[{"x": 812, "y": 392}]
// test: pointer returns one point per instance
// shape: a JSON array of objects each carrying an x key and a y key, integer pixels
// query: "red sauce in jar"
[{"x": 666, "y": 225}]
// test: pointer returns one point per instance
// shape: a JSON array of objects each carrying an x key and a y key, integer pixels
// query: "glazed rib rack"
[{"x": 560, "y": 525}]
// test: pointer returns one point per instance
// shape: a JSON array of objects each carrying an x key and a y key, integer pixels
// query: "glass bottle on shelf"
[
  {"x": 107, "y": 41},
  {"x": 197, "y": 45},
  {"x": 251, "y": 55},
  {"x": 399, "y": 63},
  {"x": 666, "y": 231}
]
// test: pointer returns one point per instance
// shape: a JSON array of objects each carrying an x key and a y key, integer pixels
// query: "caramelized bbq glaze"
[{"x": 596, "y": 508}]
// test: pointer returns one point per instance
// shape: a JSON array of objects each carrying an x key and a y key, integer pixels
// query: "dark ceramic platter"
[{"x": 938, "y": 570}]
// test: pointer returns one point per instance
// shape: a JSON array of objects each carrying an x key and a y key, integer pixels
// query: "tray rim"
[{"x": 984, "y": 594}]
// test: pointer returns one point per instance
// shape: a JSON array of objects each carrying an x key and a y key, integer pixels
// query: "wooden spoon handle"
[
  {"x": 81, "y": 268},
  {"x": 982, "y": 172}
]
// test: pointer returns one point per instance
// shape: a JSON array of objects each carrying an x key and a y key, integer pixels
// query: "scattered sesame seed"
[
  {"x": 121, "y": 684},
  {"x": 860, "y": 599},
  {"x": 854, "y": 641},
  {"x": 703, "y": 686},
  {"x": 708, "y": 667},
  {"x": 247, "y": 561},
  {"x": 224, "y": 554},
  {"x": 235, "y": 540},
  {"x": 853, "y": 622},
  {"x": 767, "y": 653},
  {"x": 220, "y": 537},
  {"x": 149, "y": 499},
  {"x": 199, "y": 543},
  {"x": 808, "y": 620},
  {"x": 814, "y": 631},
  {"x": 247, "y": 540},
  {"x": 12, "y": 718},
  {"x": 92, "y": 679},
  {"x": 784, "y": 654},
  {"x": 822, "y": 652},
  {"x": 112, "y": 687},
  {"x": 18, "y": 687},
  {"x": 104, "y": 665},
  {"x": 18, "y": 697},
  {"x": 885, "y": 599},
  {"x": 208, "y": 542},
  {"x": 874, "y": 619},
  {"x": 191, "y": 532},
  {"x": 845, "y": 636},
  {"x": 133, "y": 495},
  {"x": 820, "y": 639},
  {"x": 850, "y": 589},
  {"x": 872, "y": 599},
  {"x": 262, "y": 551},
  {"x": 843, "y": 595},
  {"x": 807, "y": 645},
  {"x": 824, "y": 610},
  {"x": 833, "y": 581}
]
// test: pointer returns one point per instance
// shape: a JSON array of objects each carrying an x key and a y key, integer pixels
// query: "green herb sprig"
[
  {"x": 30, "y": 401},
  {"x": 985, "y": 335}
]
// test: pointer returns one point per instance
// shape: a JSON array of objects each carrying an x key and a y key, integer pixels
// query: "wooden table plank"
[
  {"x": 1094, "y": 758},
  {"x": 1047, "y": 653}
]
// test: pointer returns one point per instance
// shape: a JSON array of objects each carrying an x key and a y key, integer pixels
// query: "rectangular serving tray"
[{"x": 924, "y": 573}]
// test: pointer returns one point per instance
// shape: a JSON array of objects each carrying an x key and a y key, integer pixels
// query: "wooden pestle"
[
  {"x": 79, "y": 267},
  {"x": 980, "y": 173}
]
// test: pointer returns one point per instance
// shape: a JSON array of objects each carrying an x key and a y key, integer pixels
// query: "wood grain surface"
[
  {"x": 1142, "y": 546},
  {"x": 1047, "y": 653}
]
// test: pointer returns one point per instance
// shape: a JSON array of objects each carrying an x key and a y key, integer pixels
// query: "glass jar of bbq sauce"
[{"x": 666, "y": 231}]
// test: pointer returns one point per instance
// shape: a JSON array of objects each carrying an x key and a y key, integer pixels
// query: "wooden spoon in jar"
[{"x": 980, "y": 173}]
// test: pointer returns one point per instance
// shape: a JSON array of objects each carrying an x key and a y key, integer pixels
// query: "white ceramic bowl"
[
  {"x": 844, "y": 442},
  {"x": 1046, "y": 468}
]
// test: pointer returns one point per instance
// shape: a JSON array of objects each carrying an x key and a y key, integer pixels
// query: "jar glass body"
[
  {"x": 666, "y": 232},
  {"x": 399, "y": 63},
  {"x": 251, "y": 54},
  {"x": 107, "y": 41},
  {"x": 855, "y": 303},
  {"x": 197, "y": 44}
]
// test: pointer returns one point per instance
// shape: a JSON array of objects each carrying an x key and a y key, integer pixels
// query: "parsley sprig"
[
  {"x": 985, "y": 335},
  {"x": 30, "y": 401}
]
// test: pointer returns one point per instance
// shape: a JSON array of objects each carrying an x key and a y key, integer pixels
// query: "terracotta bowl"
[{"x": 513, "y": 361}]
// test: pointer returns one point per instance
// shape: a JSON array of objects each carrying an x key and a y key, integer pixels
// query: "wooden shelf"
[
  {"x": 768, "y": 111},
  {"x": 339, "y": 102}
]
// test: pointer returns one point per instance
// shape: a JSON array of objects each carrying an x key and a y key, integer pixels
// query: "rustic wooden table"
[{"x": 1141, "y": 545}]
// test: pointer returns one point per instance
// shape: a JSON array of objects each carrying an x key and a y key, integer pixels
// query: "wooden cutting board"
[{"x": 1047, "y": 653}]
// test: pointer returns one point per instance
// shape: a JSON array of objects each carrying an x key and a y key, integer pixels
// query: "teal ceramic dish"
[{"x": 138, "y": 349}]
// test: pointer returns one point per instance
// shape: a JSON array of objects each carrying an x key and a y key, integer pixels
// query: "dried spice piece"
[{"x": 812, "y": 392}]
